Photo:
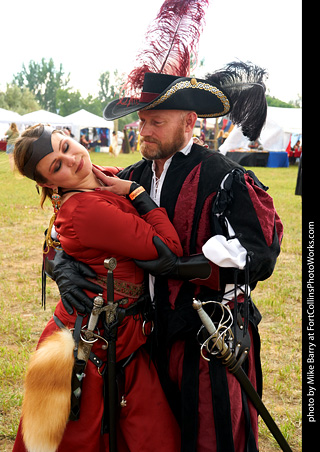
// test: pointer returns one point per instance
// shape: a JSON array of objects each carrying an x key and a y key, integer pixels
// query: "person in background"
[
  {"x": 84, "y": 141},
  {"x": 294, "y": 153},
  {"x": 67, "y": 131},
  {"x": 298, "y": 190},
  {"x": 297, "y": 150},
  {"x": 113, "y": 148},
  {"x": 12, "y": 134},
  {"x": 132, "y": 140}
]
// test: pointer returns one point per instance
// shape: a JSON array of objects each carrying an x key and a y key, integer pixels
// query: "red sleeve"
[
  {"x": 103, "y": 225},
  {"x": 265, "y": 210}
]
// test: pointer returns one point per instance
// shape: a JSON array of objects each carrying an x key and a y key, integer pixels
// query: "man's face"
[{"x": 162, "y": 133}]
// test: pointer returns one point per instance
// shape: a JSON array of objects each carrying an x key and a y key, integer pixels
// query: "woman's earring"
[{"x": 56, "y": 200}]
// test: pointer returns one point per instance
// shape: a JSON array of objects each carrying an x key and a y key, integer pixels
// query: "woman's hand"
[
  {"x": 113, "y": 184},
  {"x": 197, "y": 140}
]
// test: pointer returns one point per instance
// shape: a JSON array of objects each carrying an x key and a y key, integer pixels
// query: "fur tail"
[{"x": 46, "y": 404}]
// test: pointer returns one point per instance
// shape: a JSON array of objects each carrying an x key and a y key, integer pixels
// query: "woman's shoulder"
[
  {"x": 89, "y": 199},
  {"x": 85, "y": 209}
]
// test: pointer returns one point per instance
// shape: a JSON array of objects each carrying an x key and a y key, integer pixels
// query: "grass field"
[{"x": 22, "y": 319}]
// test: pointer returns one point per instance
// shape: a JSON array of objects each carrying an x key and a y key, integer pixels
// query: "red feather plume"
[{"x": 171, "y": 43}]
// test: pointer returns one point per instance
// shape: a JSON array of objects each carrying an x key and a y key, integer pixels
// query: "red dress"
[{"x": 93, "y": 226}]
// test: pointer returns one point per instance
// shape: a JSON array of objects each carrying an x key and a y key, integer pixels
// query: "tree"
[
  {"x": 94, "y": 105},
  {"x": 68, "y": 102},
  {"x": 298, "y": 102},
  {"x": 274, "y": 102},
  {"x": 109, "y": 92},
  {"x": 44, "y": 80},
  {"x": 20, "y": 100}
]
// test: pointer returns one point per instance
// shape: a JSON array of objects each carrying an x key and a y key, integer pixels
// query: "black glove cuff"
[
  {"x": 133, "y": 187},
  {"x": 191, "y": 267},
  {"x": 140, "y": 199}
]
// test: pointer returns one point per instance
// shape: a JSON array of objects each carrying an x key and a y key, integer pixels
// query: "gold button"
[{"x": 193, "y": 81}]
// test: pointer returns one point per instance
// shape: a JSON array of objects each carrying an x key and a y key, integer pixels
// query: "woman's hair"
[
  {"x": 14, "y": 127},
  {"x": 22, "y": 153}
]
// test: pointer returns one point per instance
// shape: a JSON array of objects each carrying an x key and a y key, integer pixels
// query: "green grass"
[{"x": 22, "y": 318}]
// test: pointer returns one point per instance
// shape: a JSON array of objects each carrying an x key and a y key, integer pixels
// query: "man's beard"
[{"x": 162, "y": 150}]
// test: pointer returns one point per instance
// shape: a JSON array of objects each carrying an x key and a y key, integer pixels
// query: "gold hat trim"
[{"x": 194, "y": 85}]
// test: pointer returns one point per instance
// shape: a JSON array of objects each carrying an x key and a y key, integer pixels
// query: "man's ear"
[{"x": 191, "y": 118}]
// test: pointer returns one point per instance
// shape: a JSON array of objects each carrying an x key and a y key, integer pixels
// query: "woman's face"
[{"x": 68, "y": 166}]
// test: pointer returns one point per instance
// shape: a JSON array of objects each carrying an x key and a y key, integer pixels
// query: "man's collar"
[{"x": 186, "y": 150}]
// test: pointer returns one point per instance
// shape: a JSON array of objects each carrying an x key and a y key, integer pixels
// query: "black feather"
[{"x": 244, "y": 85}]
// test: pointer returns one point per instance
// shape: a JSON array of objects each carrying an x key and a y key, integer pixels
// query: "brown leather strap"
[{"x": 124, "y": 288}]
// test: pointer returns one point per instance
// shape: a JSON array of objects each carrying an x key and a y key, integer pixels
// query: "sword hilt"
[
  {"x": 110, "y": 263},
  {"x": 228, "y": 358},
  {"x": 97, "y": 305},
  {"x": 230, "y": 361}
]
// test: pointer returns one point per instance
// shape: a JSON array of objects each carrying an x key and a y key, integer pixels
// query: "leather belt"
[{"x": 121, "y": 287}]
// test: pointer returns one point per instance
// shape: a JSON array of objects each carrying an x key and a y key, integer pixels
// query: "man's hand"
[
  {"x": 70, "y": 275},
  {"x": 168, "y": 264}
]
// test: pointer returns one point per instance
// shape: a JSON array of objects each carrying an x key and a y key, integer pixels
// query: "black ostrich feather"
[{"x": 244, "y": 85}]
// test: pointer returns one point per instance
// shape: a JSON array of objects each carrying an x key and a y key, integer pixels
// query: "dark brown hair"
[{"x": 22, "y": 153}]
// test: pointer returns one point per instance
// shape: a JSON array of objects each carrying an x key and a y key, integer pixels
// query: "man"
[
  {"x": 132, "y": 140},
  {"x": 231, "y": 237}
]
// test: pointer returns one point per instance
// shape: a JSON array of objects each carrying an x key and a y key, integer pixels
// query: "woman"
[
  {"x": 83, "y": 140},
  {"x": 12, "y": 134},
  {"x": 92, "y": 225}
]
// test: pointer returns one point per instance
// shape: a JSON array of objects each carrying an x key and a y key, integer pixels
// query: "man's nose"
[{"x": 145, "y": 129}]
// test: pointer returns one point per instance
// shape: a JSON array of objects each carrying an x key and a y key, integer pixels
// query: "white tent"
[
  {"x": 6, "y": 118},
  {"x": 43, "y": 117},
  {"x": 84, "y": 119},
  {"x": 290, "y": 119},
  {"x": 275, "y": 135},
  {"x": 9, "y": 116}
]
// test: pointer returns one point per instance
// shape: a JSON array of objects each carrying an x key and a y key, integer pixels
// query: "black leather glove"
[
  {"x": 70, "y": 275},
  {"x": 172, "y": 266}
]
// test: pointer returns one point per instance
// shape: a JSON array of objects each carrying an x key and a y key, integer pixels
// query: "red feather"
[{"x": 171, "y": 42}]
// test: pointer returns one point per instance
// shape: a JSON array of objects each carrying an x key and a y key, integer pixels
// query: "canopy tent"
[
  {"x": 281, "y": 123},
  {"x": 134, "y": 125},
  {"x": 43, "y": 117},
  {"x": 6, "y": 118},
  {"x": 83, "y": 119}
]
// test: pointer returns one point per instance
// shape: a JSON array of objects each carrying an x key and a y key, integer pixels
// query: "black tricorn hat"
[{"x": 170, "y": 92}]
